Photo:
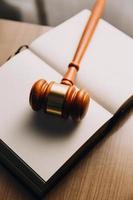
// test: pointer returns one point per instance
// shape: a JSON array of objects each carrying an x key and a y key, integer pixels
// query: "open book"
[{"x": 38, "y": 148}]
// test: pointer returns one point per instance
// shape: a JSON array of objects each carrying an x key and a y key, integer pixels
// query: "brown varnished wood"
[
  {"x": 75, "y": 101},
  {"x": 36, "y": 95},
  {"x": 80, "y": 105},
  {"x": 70, "y": 76},
  {"x": 88, "y": 32}
]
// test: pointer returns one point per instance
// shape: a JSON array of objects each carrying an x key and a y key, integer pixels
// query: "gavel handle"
[{"x": 70, "y": 76}]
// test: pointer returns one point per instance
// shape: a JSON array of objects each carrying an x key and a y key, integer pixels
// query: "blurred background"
[{"x": 53, "y": 12}]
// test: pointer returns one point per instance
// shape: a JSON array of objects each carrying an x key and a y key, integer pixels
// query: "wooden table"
[{"x": 105, "y": 173}]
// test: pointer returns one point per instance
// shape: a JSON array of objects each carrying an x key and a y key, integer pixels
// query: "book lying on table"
[{"x": 40, "y": 148}]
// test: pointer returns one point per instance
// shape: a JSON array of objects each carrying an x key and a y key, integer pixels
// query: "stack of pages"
[{"x": 39, "y": 148}]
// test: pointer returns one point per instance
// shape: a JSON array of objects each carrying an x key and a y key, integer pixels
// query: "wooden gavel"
[{"x": 65, "y": 99}]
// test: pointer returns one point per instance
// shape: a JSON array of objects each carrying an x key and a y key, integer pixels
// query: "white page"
[
  {"x": 45, "y": 143},
  {"x": 107, "y": 67}
]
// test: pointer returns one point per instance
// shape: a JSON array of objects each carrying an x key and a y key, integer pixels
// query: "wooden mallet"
[{"x": 65, "y": 99}]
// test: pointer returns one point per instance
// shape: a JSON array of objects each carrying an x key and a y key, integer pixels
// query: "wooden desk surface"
[{"x": 105, "y": 173}]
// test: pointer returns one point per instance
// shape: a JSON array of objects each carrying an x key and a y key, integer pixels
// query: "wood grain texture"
[{"x": 104, "y": 173}]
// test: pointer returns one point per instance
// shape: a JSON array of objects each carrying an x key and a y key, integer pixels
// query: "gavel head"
[{"x": 60, "y": 99}]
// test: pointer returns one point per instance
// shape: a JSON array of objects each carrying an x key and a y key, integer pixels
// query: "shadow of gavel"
[{"x": 65, "y": 99}]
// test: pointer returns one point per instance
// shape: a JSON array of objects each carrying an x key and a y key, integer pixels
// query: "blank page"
[
  {"x": 107, "y": 67},
  {"x": 44, "y": 142}
]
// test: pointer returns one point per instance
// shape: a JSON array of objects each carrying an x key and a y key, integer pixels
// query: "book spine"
[{"x": 21, "y": 170}]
